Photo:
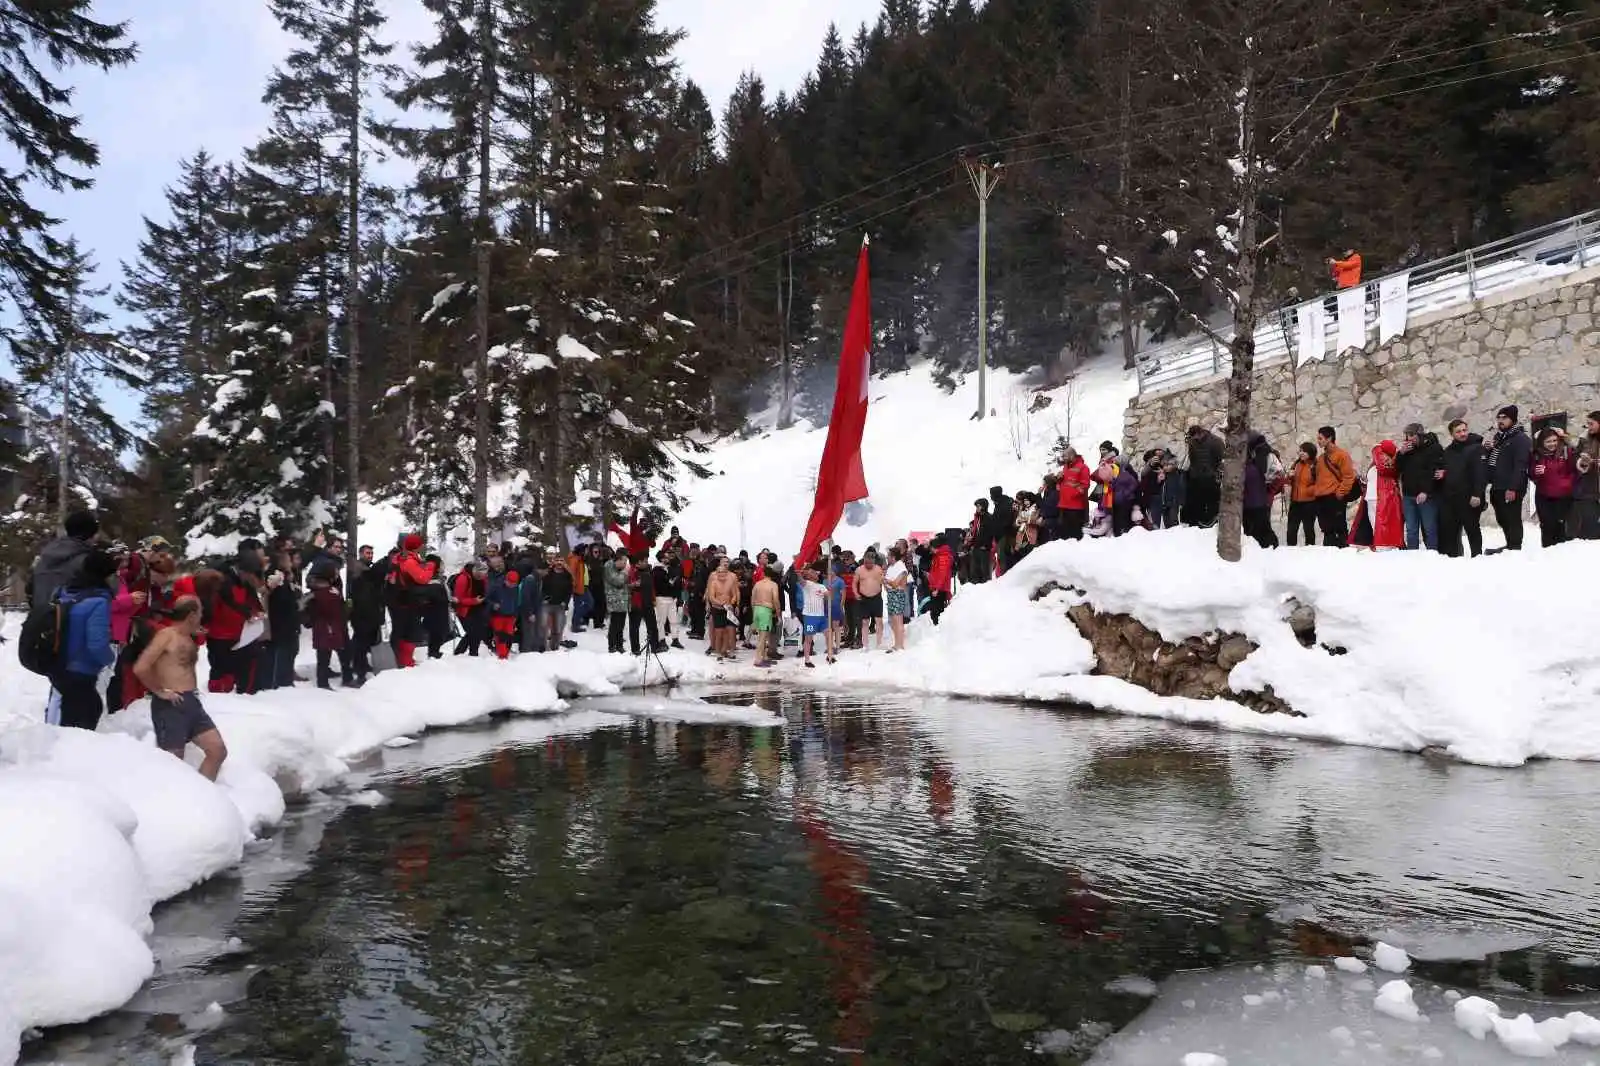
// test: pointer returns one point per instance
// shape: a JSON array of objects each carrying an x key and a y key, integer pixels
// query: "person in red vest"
[
  {"x": 411, "y": 574},
  {"x": 470, "y": 590},
  {"x": 941, "y": 577}
]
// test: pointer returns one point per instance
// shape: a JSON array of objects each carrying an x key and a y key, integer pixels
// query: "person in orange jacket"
[
  {"x": 411, "y": 574},
  {"x": 1347, "y": 271}
]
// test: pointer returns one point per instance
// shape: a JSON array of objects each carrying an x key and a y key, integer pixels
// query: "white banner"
[
  {"x": 1352, "y": 318},
  {"x": 1313, "y": 332},
  {"x": 1393, "y": 296}
]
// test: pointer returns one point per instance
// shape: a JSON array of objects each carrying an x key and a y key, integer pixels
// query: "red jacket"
[
  {"x": 1074, "y": 488},
  {"x": 236, "y": 603},
  {"x": 942, "y": 570},
  {"x": 468, "y": 592},
  {"x": 1554, "y": 475},
  {"x": 410, "y": 569}
]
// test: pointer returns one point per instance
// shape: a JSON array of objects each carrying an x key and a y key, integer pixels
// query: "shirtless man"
[
  {"x": 869, "y": 597},
  {"x": 167, "y": 669},
  {"x": 722, "y": 597}
]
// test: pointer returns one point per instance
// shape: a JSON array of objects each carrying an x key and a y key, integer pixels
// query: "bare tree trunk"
[
  {"x": 352, "y": 297},
  {"x": 64, "y": 441},
  {"x": 1230, "y": 518},
  {"x": 785, "y": 356},
  {"x": 480, "y": 472},
  {"x": 1130, "y": 346},
  {"x": 325, "y": 313}
]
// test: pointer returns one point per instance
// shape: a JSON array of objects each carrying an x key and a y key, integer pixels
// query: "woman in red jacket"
[
  {"x": 1553, "y": 469},
  {"x": 410, "y": 573},
  {"x": 1074, "y": 489},
  {"x": 470, "y": 589}
]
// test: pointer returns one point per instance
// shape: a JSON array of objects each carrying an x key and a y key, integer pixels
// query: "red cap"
[
  {"x": 511, "y": 577},
  {"x": 412, "y": 543}
]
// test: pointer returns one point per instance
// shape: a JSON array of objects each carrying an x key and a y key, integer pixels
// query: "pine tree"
[
  {"x": 37, "y": 121},
  {"x": 182, "y": 289},
  {"x": 61, "y": 358}
]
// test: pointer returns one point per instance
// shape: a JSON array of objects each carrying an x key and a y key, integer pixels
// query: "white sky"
[{"x": 203, "y": 63}]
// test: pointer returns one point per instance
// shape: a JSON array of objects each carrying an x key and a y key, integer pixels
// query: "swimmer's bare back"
[{"x": 167, "y": 666}]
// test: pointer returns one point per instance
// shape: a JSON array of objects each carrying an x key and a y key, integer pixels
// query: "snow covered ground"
[
  {"x": 926, "y": 458},
  {"x": 96, "y": 828},
  {"x": 1480, "y": 658}
]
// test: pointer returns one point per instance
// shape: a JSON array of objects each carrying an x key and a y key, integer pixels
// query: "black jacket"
[
  {"x": 1465, "y": 470},
  {"x": 1418, "y": 466},
  {"x": 557, "y": 587},
  {"x": 668, "y": 580},
  {"x": 1004, "y": 510},
  {"x": 1508, "y": 462},
  {"x": 283, "y": 610},
  {"x": 1205, "y": 456}
]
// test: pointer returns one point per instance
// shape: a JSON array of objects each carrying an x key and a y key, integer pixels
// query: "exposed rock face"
[{"x": 1196, "y": 668}]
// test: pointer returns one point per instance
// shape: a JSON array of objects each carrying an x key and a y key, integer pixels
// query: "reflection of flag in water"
[
  {"x": 840, "y": 477},
  {"x": 846, "y": 938}
]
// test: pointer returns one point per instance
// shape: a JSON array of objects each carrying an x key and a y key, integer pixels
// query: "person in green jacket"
[{"x": 618, "y": 600}]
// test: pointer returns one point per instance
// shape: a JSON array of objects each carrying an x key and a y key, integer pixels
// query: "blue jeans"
[
  {"x": 1424, "y": 515},
  {"x": 580, "y": 611}
]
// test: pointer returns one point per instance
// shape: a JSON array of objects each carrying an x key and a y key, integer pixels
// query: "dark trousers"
[
  {"x": 277, "y": 669},
  {"x": 474, "y": 631},
  {"x": 1509, "y": 515},
  {"x": 1333, "y": 516},
  {"x": 1072, "y": 523},
  {"x": 614, "y": 631},
  {"x": 1457, "y": 517},
  {"x": 697, "y": 617},
  {"x": 325, "y": 666},
  {"x": 532, "y": 632},
  {"x": 646, "y": 616},
  {"x": 1121, "y": 517},
  {"x": 852, "y": 624},
  {"x": 980, "y": 566},
  {"x": 1552, "y": 520},
  {"x": 1201, "y": 502},
  {"x": 1258, "y": 526},
  {"x": 360, "y": 651},
  {"x": 80, "y": 699},
  {"x": 236, "y": 669},
  {"x": 1302, "y": 519},
  {"x": 936, "y": 605}
]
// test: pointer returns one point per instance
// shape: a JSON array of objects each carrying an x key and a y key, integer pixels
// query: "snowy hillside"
[{"x": 926, "y": 459}]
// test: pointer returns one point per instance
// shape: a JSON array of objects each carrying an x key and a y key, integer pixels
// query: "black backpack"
[{"x": 41, "y": 646}]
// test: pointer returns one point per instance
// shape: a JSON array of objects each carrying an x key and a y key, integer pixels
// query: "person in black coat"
[
  {"x": 596, "y": 559},
  {"x": 1508, "y": 453},
  {"x": 1462, "y": 491},
  {"x": 366, "y": 592},
  {"x": 435, "y": 600},
  {"x": 1004, "y": 512},
  {"x": 1421, "y": 466},
  {"x": 980, "y": 543},
  {"x": 1203, "y": 483},
  {"x": 283, "y": 623}
]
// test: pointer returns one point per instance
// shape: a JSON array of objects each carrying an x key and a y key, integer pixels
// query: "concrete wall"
[{"x": 1537, "y": 347}]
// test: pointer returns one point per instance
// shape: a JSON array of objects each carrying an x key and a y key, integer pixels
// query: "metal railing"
[{"x": 1456, "y": 281}]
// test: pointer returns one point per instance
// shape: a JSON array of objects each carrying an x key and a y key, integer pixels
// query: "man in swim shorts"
[
  {"x": 167, "y": 669},
  {"x": 764, "y": 616}
]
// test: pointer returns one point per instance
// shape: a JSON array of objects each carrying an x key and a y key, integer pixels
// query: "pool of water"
[{"x": 887, "y": 879}]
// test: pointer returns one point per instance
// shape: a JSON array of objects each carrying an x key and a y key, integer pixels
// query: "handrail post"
[
  {"x": 1216, "y": 357},
  {"x": 1472, "y": 277},
  {"x": 1582, "y": 230}
]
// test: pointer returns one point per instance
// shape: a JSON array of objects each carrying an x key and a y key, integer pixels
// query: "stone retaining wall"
[{"x": 1538, "y": 349}]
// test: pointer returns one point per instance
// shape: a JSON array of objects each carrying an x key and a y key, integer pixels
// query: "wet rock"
[
  {"x": 1195, "y": 668},
  {"x": 725, "y": 918},
  {"x": 1303, "y": 623}
]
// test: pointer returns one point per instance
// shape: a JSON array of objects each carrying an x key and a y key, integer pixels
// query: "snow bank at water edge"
[
  {"x": 96, "y": 828},
  {"x": 1483, "y": 658}
]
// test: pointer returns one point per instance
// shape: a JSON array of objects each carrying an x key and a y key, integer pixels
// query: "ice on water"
[{"x": 1295, "y": 1019}]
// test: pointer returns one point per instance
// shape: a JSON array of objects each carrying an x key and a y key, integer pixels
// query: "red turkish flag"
[{"x": 840, "y": 478}]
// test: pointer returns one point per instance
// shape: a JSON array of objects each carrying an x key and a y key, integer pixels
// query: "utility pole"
[{"x": 985, "y": 179}]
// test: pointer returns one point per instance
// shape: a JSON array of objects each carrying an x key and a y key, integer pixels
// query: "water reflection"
[{"x": 892, "y": 880}]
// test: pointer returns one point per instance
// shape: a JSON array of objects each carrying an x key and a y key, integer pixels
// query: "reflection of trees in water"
[
  {"x": 899, "y": 911},
  {"x": 1204, "y": 772}
]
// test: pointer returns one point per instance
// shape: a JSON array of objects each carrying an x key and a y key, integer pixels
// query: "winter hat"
[
  {"x": 1388, "y": 447},
  {"x": 511, "y": 577},
  {"x": 81, "y": 525},
  {"x": 412, "y": 543},
  {"x": 1508, "y": 411},
  {"x": 1414, "y": 429}
]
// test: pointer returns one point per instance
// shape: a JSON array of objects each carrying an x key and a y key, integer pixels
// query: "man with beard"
[
  {"x": 1508, "y": 451},
  {"x": 1462, "y": 491},
  {"x": 1421, "y": 463}
]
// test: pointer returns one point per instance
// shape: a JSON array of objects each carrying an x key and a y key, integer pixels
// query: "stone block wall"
[{"x": 1538, "y": 349}]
